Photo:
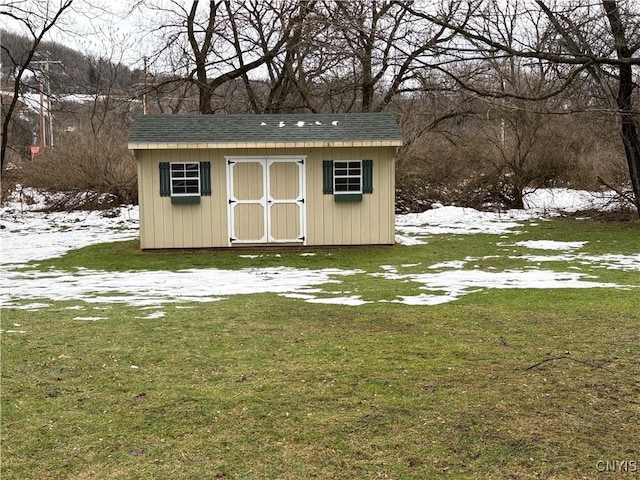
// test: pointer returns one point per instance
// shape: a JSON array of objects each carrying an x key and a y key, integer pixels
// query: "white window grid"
[
  {"x": 185, "y": 179},
  {"x": 347, "y": 176}
]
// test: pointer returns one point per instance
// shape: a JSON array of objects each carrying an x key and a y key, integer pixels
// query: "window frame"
[
  {"x": 348, "y": 177},
  {"x": 173, "y": 178}
]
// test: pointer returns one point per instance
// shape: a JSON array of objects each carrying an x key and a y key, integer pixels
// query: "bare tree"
[
  {"x": 376, "y": 46},
  {"x": 580, "y": 38},
  {"x": 291, "y": 77},
  {"x": 220, "y": 42},
  {"x": 314, "y": 55},
  {"x": 37, "y": 18}
]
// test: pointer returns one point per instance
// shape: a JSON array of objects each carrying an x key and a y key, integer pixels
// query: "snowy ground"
[{"x": 26, "y": 235}]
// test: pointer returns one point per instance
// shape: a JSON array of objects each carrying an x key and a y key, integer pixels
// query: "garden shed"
[{"x": 293, "y": 179}]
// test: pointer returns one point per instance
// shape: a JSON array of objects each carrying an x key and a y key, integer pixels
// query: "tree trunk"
[
  {"x": 204, "y": 99},
  {"x": 629, "y": 131},
  {"x": 628, "y": 126},
  {"x": 367, "y": 81}
]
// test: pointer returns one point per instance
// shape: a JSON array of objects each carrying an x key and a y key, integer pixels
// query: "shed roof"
[{"x": 273, "y": 131}]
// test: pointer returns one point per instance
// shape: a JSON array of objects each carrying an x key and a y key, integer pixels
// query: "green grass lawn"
[{"x": 500, "y": 384}]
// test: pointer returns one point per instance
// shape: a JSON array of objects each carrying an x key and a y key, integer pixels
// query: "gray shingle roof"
[{"x": 212, "y": 129}]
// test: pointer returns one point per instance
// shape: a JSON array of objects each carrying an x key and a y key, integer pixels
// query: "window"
[
  {"x": 185, "y": 179},
  {"x": 185, "y": 182},
  {"x": 347, "y": 180},
  {"x": 347, "y": 177}
]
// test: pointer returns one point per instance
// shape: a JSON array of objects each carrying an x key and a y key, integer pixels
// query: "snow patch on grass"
[
  {"x": 550, "y": 245},
  {"x": 28, "y": 235}
]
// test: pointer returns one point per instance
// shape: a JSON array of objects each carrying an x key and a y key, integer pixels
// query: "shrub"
[
  {"x": 95, "y": 170},
  {"x": 483, "y": 163}
]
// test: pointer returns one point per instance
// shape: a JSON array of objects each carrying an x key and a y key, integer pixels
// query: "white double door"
[{"x": 266, "y": 199}]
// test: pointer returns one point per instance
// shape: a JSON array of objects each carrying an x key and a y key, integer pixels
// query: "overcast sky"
[{"x": 95, "y": 27}]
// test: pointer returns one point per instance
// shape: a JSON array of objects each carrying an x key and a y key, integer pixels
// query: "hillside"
[{"x": 76, "y": 72}]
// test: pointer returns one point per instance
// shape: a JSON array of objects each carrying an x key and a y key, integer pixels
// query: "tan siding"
[
  {"x": 218, "y": 200},
  {"x": 367, "y": 222},
  {"x": 164, "y": 225},
  {"x": 145, "y": 199},
  {"x": 316, "y": 203}
]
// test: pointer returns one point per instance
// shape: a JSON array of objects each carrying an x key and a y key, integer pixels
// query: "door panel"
[
  {"x": 248, "y": 181},
  {"x": 285, "y": 222},
  {"x": 284, "y": 183},
  {"x": 249, "y": 222}
]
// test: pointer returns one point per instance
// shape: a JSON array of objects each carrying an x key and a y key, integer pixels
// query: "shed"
[{"x": 293, "y": 179}]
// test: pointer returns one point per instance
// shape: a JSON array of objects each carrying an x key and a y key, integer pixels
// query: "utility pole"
[{"x": 44, "y": 76}]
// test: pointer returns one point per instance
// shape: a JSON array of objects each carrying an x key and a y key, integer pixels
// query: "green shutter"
[
  {"x": 327, "y": 176},
  {"x": 165, "y": 180},
  {"x": 367, "y": 176},
  {"x": 205, "y": 178}
]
